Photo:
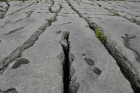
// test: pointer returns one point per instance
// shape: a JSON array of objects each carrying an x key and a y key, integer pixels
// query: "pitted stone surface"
[
  {"x": 116, "y": 26},
  {"x": 11, "y": 34},
  {"x": 100, "y": 77},
  {"x": 39, "y": 68},
  {"x": 44, "y": 71}
]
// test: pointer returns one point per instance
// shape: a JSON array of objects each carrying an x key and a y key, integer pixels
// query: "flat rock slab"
[
  {"x": 91, "y": 70},
  {"x": 124, "y": 9},
  {"x": 117, "y": 27},
  {"x": 17, "y": 28},
  {"x": 40, "y": 68},
  {"x": 18, "y": 7}
]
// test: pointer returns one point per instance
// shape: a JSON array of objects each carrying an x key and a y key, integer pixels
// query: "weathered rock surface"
[
  {"x": 50, "y": 46},
  {"x": 114, "y": 26},
  {"x": 3, "y": 9}
]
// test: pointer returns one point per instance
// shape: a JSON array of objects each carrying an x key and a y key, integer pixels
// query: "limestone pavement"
[{"x": 50, "y": 47}]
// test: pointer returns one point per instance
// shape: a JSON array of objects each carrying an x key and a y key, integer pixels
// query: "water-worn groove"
[
  {"x": 66, "y": 65},
  {"x": 69, "y": 80},
  {"x": 2, "y": 15},
  {"x": 126, "y": 67},
  {"x": 86, "y": 3},
  {"x": 19, "y": 9},
  {"x": 126, "y": 44},
  {"x": 131, "y": 20},
  {"x": 50, "y": 7},
  {"x": 19, "y": 62},
  {"x": 13, "y": 31},
  {"x": 11, "y": 90},
  {"x": 128, "y": 70},
  {"x": 30, "y": 42}
]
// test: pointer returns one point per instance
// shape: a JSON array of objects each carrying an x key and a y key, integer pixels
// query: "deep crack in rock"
[
  {"x": 66, "y": 65},
  {"x": 69, "y": 80},
  {"x": 126, "y": 67}
]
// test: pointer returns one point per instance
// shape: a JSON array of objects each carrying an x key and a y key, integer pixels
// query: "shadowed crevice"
[
  {"x": 126, "y": 67},
  {"x": 12, "y": 90},
  {"x": 66, "y": 64},
  {"x": 27, "y": 44}
]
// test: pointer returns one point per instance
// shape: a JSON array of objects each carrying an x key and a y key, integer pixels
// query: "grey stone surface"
[
  {"x": 127, "y": 10},
  {"x": 40, "y": 67},
  {"x": 32, "y": 72},
  {"x": 44, "y": 71},
  {"x": 13, "y": 9},
  {"x": 114, "y": 29},
  {"x": 3, "y": 9},
  {"x": 16, "y": 29},
  {"x": 100, "y": 77}
]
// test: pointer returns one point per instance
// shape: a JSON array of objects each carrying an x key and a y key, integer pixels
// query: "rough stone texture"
[
  {"x": 123, "y": 9},
  {"x": 3, "y": 9},
  {"x": 34, "y": 47},
  {"x": 17, "y": 28},
  {"x": 114, "y": 27},
  {"x": 43, "y": 74},
  {"x": 35, "y": 70},
  {"x": 102, "y": 77}
]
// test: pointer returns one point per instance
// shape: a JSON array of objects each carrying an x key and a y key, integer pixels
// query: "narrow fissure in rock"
[
  {"x": 66, "y": 64},
  {"x": 27, "y": 44},
  {"x": 19, "y": 9},
  {"x": 126, "y": 67},
  {"x": 8, "y": 5},
  {"x": 70, "y": 85}
]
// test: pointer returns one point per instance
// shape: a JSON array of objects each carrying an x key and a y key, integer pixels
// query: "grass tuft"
[
  {"x": 49, "y": 20},
  {"x": 100, "y": 35}
]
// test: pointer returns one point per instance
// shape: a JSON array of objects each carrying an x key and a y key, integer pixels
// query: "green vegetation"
[
  {"x": 5, "y": 1},
  {"x": 79, "y": 15},
  {"x": 69, "y": 4},
  {"x": 100, "y": 36},
  {"x": 28, "y": 16},
  {"x": 114, "y": 14},
  {"x": 49, "y": 20},
  {"x": 74, "y": 9},
  {"x": 1, "y": 10}
]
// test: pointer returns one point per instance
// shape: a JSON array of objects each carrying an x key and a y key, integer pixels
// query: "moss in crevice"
[
  {"x": 1, "y": 10},
  {"x": 49, "y": 20},
  {"x": 100, "y": 35},
  {"x": 79, "y": 15},
  {"x": 114, "y": 14}
]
